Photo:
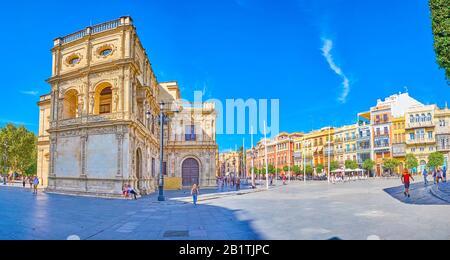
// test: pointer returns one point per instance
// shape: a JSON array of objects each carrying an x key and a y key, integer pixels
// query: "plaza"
[{"x": 372, "y": 209}]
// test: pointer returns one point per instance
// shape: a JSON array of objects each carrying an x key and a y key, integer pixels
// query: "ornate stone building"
[{"x": 99, "y": 126}]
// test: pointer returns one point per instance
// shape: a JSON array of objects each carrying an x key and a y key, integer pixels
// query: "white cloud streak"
[
  {"x": 326, "y": 52},
  {"x": 30, "y": 92}
]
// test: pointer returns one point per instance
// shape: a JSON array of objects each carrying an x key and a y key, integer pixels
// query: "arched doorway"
[
  {"x": 190, "y": 172},
  {"x": 138, "y": 167}
]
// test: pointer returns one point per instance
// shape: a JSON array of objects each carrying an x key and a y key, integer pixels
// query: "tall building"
[
  {"x": 345, "y": 139},
  {"x": 363, "y": 141},
  {"x": 381, "y": 121},
  {"x": 99, "y": 127},
  {"x": 420, "y": 132},
  {"x": 398, "y": 141},
  {"x": 442, "y": 132}
]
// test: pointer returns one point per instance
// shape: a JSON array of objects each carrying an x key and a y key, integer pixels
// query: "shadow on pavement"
[
  {"x": 420, "y": 195},
  {"x": 57, "y": 217}
]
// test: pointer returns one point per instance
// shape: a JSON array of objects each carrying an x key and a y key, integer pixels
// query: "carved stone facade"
[{"x": 99, "y": 126}]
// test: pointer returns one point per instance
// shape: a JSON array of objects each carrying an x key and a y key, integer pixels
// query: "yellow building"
[
  {"x": 345, "y": 143},
  {"x": 442, "y": 122},
  {"x": 420, "y": 133},
  {"x": 316, "y": 145},
  {"x": 398, "y": 141}
]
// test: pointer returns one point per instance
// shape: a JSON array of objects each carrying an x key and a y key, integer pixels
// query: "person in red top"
[{"x": 406, "y": 180}]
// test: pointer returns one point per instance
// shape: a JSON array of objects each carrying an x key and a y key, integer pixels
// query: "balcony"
[
  {"x": 442, "y": 130},
  {"x": 364, "y": 150},
  {"x": 421, "y": 141},
  {"x": 398, "y": 150},
  {"x": 99, "y": 28},
  {"x": 420, "y": 125},
  {"x": 443, "y": 148}
]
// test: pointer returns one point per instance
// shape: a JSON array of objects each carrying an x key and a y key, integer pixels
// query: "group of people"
[
  {"x": 439, "y": 175},
  {"x": 233, "y": 182},
  {"x": 32, "y": 181},
  {"x": 128, "y": 191},
  {"x": 337, "y": 177}
]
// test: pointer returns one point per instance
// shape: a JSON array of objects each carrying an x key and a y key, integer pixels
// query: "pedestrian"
[
  {"x": 30, "y": 181},
  {"x": 125, "y": 191},
  {"x": 284, "y": 179},
  {"x": 406, "y": 180},
  {"x": 23, "y": 181},
  {"x": 238, "y": 183},
  {"x": 35, "y": 185},
  {"x": 425, "y": 176},
  {"x": 444, "y": 174},
  {"x": 195, "y": 192},
  {"x": 439, "y": 175},
  {"x": 132, "y": 192}
]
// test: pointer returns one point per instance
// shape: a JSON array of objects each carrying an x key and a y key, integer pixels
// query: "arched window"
[
  {"x": 411, "y": 119},
  {"x": 423, "y": 118},
  {"x": 417, "y": 118},
  {"x": 429, "y": 117},
  {"x": 103, "y": 99},
  {"x": 70, "y": 106}
]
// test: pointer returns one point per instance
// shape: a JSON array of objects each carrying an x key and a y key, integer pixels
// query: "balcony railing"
[
  {"x": 442, "y": 148},
  {"x": 111, "y": 25},
  {"x": 420, "y": 124},
  {"x": 421, "y": 141}
]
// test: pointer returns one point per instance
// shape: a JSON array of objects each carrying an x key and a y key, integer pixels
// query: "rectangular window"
[
  {"x": 105, "y": 109},
  {"x": 165, "y": 168},
  {"x": 190, "y": 133},
  {"x": 385, "y": 117},
  {"x": 430, "y": 135},
  {"x": 153, "y": 167}
]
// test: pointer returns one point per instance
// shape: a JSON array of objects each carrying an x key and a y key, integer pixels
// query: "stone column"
[{"x": 83, "y": 140}]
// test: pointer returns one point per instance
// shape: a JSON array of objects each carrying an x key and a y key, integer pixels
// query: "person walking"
[
  {"x": 284, "y": 179},
  {"x": 35, "y": 185},
  {"x": 24, "y": 181},
  {"x": 195, "y": 192},
  {"x": 406, "y": 180},
  {"x": 444, "y": 174},
  {"x": 425, "y": 176},
  {"x": 238, "y": 184}
]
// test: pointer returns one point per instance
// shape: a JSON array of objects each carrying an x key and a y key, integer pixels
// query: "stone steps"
[{"x": 441, "y": 191}]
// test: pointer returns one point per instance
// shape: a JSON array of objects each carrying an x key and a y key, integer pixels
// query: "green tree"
[
  {"x": 286, "y": 169},
  {"x": 309, "y": 170},
  {"x": 411, "y": 162},
  {"x": 435, "y": 160},
  {"x": 319, "y": 168},
  {"x": 296, "y": 169},
  {"x": 368, "y": 165},
  {"x": 391, "y": 164},
  {"x": 334, "y": 165},
  {"x": 441, "y": 29},
  {"x": 19, "y": 149},
  {"x": 271, "y": 169},
  {"x": 350, "y": 164}
]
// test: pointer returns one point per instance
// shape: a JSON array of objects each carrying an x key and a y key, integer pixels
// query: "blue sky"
[{"x": 325, "y": 60}]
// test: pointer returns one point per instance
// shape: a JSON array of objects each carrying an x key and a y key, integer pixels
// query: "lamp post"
[{"x": 162, "y": 119}]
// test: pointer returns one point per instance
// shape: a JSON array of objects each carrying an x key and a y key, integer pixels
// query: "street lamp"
[{"x": 162, "y": 119}]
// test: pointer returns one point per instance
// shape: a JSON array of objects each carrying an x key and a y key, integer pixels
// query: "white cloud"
[
  {"x": 30, "y": 92},
  {"x": 326, "y": 51}
]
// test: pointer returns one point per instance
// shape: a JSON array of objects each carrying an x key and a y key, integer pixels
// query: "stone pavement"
[
  {"x": 57, "y": 217},
  {"x": 316, "y": 210},
  {"x": 442, "y": 191}
]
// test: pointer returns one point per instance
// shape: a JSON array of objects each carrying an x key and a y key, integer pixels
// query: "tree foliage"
[
  {"x": 18, "y": 150},
  {"x": 368, "y": 165},
  {"x": 435, "y": 160},
  {"x": 390, "y": 164},
  {"x": 350, "y": 164},
  {"x": 319, "y": 168},
  {"x": 440, "y": 14},
  {"x": 296, "y": 169},
  {"x": 334, "y": 165},
  {"x": 411, "y": 161}
]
